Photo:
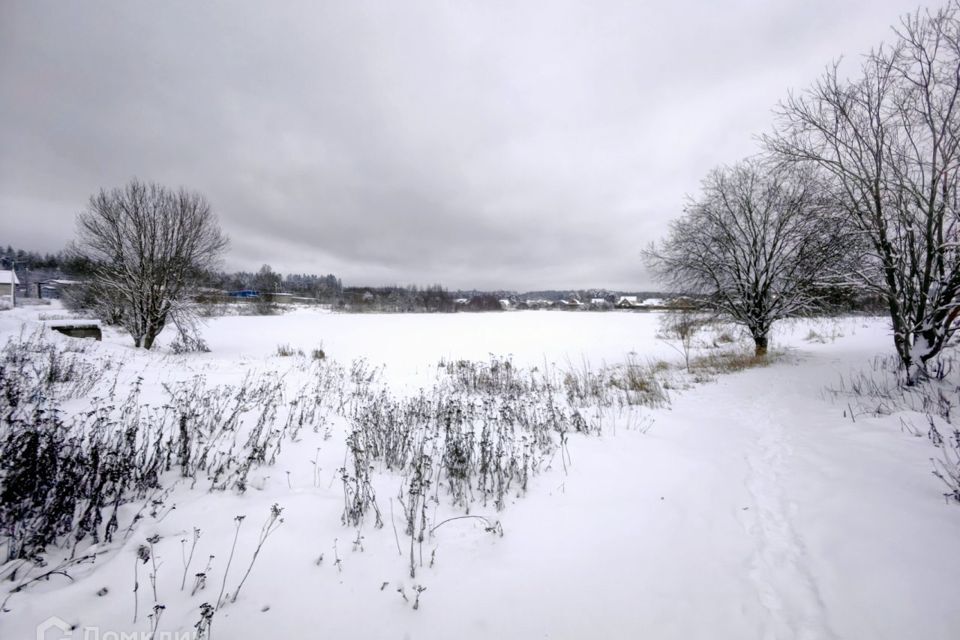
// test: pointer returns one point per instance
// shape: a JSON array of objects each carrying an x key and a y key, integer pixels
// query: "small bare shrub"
[
  {"x": 189, "y": 344},
  {"x": 947, "y": 466},
  {"x": 285, "y": 351},
  {"x": 681, "y": 327}
]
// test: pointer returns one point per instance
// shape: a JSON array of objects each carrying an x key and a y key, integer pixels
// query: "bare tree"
[
  {"x": 889, "y": 143},
  {"x": 754, "y": 246},
  {"x": 267, "y": 281},
  {"x": 148, "y": 244}
]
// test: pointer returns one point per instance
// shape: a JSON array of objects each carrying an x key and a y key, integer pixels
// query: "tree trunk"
[
  {"x": 149, "y": 337},
  {"x": 926, "y": 346},
  {"x": 760, "y": 346}
]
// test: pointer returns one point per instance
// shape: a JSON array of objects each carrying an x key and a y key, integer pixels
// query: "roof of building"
[{"x": 6, "y": 275}]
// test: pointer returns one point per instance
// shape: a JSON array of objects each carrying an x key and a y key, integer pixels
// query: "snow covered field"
[{"x": 752, "y": 506}]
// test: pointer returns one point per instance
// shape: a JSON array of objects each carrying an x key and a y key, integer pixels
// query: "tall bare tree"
[
  {"x": 148, "y": 243},
  {"x": 754, "y": 246},
  {"x": 889, "y": 143}
]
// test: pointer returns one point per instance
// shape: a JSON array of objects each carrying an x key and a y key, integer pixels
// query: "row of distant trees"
[
  {"x": 325, "y": 288},
  {"x": 62, "y": 262},
  {"x": 857, "y": 186},
  {"x": 397, "y": 299},
  {"x": 70, "y": 263}
]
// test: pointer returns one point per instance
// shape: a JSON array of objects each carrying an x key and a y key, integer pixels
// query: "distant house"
[
  {"x": 8, "y": 288},
  {"x": 633, "y": 302},
  {"x": 244, "y": 293},
  {"x": 569, "y": 305},
  {"x": 538, "y": 303},
  {"x": 600, "y": 304}
]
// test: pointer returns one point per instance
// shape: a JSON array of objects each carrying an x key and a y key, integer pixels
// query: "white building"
[{"x": 8, "y": 288}]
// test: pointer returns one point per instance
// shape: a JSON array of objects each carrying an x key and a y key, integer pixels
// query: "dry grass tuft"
[
  {"x": 285, "y": 351},
  {"x": 730, "y": 362}
]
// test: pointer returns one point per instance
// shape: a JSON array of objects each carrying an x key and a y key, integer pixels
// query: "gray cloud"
[{"x": 488, "y": 144}]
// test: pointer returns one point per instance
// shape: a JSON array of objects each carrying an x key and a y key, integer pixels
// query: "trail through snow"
[{"x": 792, "y": 605}]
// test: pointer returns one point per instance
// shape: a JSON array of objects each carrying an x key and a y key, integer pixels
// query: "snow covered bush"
[
  {"x": 498, "y": 376},
  {"x": 475, "y": 439},
  {"x": 51, "y": 368},
  {"x": 64, "y": 481},
  {"x": 628, "y": 384},
  {"x": 879, "y": 390},
  {"x": 480, "y": 434}
]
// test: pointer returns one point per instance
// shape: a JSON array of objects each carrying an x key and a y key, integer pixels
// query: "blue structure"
[{"x": 244, "y": 293}]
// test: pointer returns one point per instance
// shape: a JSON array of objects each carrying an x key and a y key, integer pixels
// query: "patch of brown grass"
[{"x": 730, "y": 362}]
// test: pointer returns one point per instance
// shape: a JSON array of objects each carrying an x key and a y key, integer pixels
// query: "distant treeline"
[
  {"x": 272, "y": 287},
  {"x": 62, "y": 261},
  {"x": 325, "y": 288}
]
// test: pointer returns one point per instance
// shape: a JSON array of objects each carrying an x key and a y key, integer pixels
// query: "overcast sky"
[{"x": 476, "y": 143}]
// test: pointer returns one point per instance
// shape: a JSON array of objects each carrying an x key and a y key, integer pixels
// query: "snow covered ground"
[{"x": 753, "y": 506}]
